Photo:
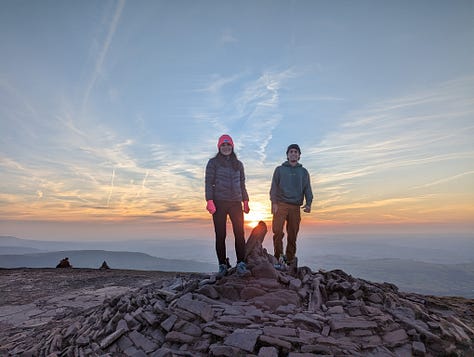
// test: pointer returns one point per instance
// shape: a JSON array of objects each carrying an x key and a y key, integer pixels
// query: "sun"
[{"x": 258, "y": 212}]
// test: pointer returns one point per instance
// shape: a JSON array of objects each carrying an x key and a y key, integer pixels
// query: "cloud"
[
  {"x": 227, "y": 36},
  {"x": 445, "y": 180},
  {"x": 258, "y": 108},
  {"x": 111, "y": 187},
  {"x": 218, "y": 83},
  {"x": 394, "y": 146},
  {"x": 100, "y": 60}
]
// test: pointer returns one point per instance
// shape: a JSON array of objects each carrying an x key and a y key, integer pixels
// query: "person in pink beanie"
[{"x": 225, "y": 195}]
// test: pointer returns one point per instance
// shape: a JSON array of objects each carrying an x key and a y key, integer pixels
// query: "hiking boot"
[
  {"x": 242, "y": 270},
  {"x": 280, "y": 267},
  {"x": 282, "y": 263},
  {"x": 282, "y": 260},
  {"x": 222, "y": 271},
  {"x": 293, "y": 266}
]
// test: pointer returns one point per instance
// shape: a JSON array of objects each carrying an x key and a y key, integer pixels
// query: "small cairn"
[{"x": 104, "y": 266}]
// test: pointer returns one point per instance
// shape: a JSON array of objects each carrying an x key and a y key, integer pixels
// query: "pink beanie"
[{"x": 225, "y": 139}]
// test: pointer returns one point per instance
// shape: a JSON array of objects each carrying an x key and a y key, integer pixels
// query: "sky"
[{"x": 110, "y": 110}]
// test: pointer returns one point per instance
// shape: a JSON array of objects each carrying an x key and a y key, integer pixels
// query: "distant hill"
[
  {"x": 183, "y": 249},
  {"x": 94, "y": 259},
  {"x": 422, "y": 269},
  {"x": 408, "y": 275},
  {"x": 18, "y": 250}
]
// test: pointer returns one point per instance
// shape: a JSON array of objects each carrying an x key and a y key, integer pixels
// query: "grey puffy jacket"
[{"x": 223, "y": 182}]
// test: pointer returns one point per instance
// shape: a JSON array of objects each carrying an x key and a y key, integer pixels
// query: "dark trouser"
[
  {"x": 234, "y": 210},
  {"x": 292, "y": 216}
]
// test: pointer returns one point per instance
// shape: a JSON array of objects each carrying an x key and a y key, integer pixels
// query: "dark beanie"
[{"x": 293, "y": 146}]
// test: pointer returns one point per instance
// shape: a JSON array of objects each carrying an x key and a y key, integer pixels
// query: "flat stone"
[
  {"x": 169, "y": 322},
  {"x": 188, "y": 328},
  {"x": 251, "y": 292},
  {"x": 209, "y": 291},
  {"x": 220, "y": 350},
  {"x": 124, "y": 342},
  {"x": 418, "y": 348},
  {"x": 278, "y": 298},
  {"x": 316, "y": 349},
  {"x": 272, "y": 341},
  {"x": 395, "y": 338},
  {"x": 376, "y": 298},
  {"x": 268, "y": 352},
  {"x": 351, "y": 323},
  {"x": 196, "y": 307},
  {"x": 244, "y": 339},
  {"x": 336, "y": 310},
  {"x": 279, "y": 331},
  {"x": 150, "y": 318},
  {"x": 106, "y": 342},
  {"x": 307, "y": 319},
  {"x": 175, "y": 336},
  {"x": 234, "y": 320},
  {"x": 286, "y": 309},
  {"x": 142, "y": 342}
]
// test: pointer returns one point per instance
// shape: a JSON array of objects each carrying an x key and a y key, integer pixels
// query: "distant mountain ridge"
[
  {"x": 427, "y": 276},
  {"x": 94, "y": 259}
]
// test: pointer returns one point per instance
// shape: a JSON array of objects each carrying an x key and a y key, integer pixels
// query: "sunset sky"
[{"x": 110, "y": 110}]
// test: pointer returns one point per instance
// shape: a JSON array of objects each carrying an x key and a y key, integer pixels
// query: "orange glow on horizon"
[{"x": 258, "y": 212}]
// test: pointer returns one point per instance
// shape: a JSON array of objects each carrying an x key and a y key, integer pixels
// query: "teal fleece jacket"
[{"x": 291, "y": 184}]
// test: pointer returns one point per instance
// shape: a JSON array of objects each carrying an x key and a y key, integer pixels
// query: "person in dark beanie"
[
  {"x": 225, "y": 195},
  {"x": 291, "y": 185}
]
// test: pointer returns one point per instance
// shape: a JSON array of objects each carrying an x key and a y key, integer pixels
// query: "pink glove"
[
  {"x": 211, "y": 207},
  {"x": 246, "y": 207}
]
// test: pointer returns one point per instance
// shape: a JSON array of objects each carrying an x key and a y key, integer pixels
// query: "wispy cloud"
[
  {"x": 390, "y": 147},
  {"x": 228, "y": 36},
  {"x": 102, "y": 55},
  {"x": 445, "y": 180},
  {"x": 258, "y": 109},
  {"x": 111, "y": 187}
]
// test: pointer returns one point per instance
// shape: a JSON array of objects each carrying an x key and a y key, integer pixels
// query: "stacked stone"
[
  {"x": 271, "y": 313},
  {"x": 323, "y": 313}
]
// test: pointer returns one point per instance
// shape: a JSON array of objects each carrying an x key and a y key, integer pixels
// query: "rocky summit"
[{"x": 270, "y": 313}]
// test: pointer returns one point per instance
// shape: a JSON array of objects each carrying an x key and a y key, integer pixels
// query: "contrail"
[
  {"x": 111, "y": 187},
  {"x": 143, "y": 184},
  {"x": 105, "y": 48}
]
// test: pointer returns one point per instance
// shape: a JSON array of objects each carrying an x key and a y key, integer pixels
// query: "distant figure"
[
  {"x": 104, "y": 266},
  {"x": 64, "y": 263}
]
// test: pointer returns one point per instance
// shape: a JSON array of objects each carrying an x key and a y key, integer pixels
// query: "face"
[
  {"x": 225, "y": 149},
  {"x": 293, "y": 155}
]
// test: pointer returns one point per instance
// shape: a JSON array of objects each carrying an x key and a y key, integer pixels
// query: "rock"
[
  {"x": 268, "y": 352},
  {"x": 418, "y": 348},
  {"x": 271, "y": 313},
  {"x": 244, "y": 339},
  {"x": 396, "y": 338},
  {"x": 106, "y": 342},
  {"x": 349, "y": 323}
]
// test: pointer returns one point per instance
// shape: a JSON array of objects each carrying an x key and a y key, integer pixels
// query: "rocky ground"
[{"x": 80, "y": 312}]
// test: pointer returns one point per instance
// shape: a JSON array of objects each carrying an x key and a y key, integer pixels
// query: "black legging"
[{"x": 234, "y": 210}]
